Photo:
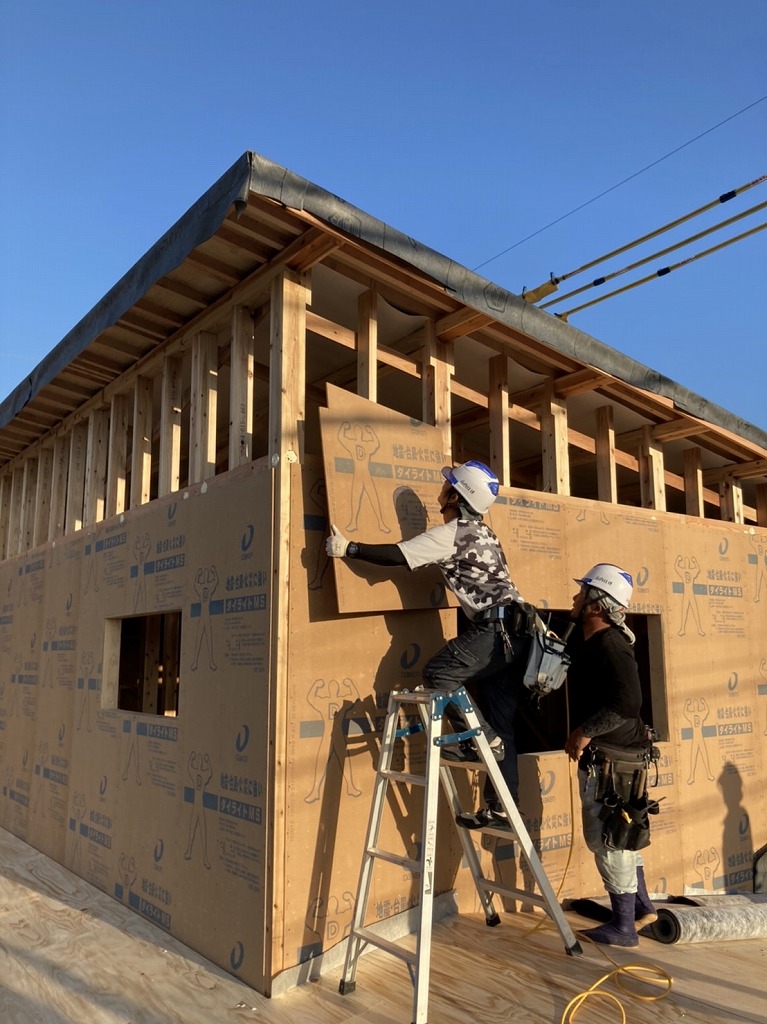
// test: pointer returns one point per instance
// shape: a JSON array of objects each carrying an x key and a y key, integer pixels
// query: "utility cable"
[
  {"x": 662, "y": 252},
  {"x": 662, "y": 272},
  {"x": 623, "y": 182},
  {"x": 551, "y": 285}
]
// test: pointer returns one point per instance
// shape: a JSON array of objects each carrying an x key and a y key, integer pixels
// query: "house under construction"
[{"x": 190, "y": 695}]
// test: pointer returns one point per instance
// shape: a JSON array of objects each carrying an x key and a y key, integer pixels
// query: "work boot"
[
  {"x": 644, "y": 911},
  {"x": 620, "y": 930}
]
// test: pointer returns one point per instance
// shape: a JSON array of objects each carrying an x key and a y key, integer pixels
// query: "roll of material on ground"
[{"x": 711, "y": 921}]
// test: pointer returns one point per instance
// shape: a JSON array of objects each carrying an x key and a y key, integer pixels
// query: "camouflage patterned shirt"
[{"x": 470, "y": 557}]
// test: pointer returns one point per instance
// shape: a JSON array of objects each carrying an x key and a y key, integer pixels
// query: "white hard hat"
[
  {"x": 475, "y": 482},
  {"x": 611, "y": 580}
]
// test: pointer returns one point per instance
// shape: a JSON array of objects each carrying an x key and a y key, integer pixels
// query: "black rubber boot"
[
  {"x": 644, "y": 911},
  {"x": 620, "y": 930}
]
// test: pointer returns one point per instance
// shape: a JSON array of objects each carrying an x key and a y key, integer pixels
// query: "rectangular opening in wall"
[
  {"x": 547, "y": 726},
  {"x": 143, "y": 659}
]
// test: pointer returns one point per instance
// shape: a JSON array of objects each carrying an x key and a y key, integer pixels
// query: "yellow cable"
[{"x": 632, "y": 970}]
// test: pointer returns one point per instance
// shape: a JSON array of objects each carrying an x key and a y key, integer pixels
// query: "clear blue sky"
[{"x": 467, "y": 126}]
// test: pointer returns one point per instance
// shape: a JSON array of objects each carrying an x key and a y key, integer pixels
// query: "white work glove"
[{"x": 336, "y": 544}]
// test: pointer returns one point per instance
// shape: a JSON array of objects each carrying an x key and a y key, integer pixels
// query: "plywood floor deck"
[{"x": 71, "y": 955}]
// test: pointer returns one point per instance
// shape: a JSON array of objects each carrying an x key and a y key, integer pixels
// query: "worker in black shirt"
[
  {"x": 610, "y": 742},
  {"x": 472, "y": 562}
]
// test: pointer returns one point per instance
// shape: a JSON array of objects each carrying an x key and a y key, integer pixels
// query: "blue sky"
[{"x": 469, "y": 127}]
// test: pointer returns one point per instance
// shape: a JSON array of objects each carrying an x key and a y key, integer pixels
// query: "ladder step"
[
  {"x": 396, "y": 858},
  {"x": 373, "y": 939},
  {"x": 522, "y": 895},
  {"x": 415, "y": 780}
]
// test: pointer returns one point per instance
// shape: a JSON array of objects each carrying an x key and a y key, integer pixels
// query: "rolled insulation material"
[{"x": 684, "y": 924}]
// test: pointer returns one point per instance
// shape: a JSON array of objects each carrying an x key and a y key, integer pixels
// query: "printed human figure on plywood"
[
  {"x": 86, "y": 684},
  {"x": 130, "y": 728},
  {"x": 335, "y": 704},
  {"x": 330, "y": 920},
  {"x": 142, "y": 545},
  {"x": 696, "y": 712},
  {"x": 126, "y": 867},
  {"x": 706, "y": 865},
  {"x": 205, "y": 586},
  {"x": 76, "y": 817},
  {"x": 361, "y": 442},
  {"x": 49, "y": 635},
  {"x": 688, "y": 570},
  {"x": 200, "y": 771},
  {"x": 319, "y": 499}
]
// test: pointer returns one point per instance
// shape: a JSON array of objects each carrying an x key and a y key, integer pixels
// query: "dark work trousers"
[{"x": 480, "y": 660}]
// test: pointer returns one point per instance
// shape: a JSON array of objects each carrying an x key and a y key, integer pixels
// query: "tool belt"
[{"x": 622, "y": 790}]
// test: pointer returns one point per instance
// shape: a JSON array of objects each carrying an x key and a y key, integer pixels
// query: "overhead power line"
[
  {"x": 663, "y": 271},
  {"x": 612, "y": 188},
  {"x": 550, "y": 286},
  {"x": 653, "y": 256}
]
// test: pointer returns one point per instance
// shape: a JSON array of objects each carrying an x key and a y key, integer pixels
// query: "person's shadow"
[{"x": 737, "y": 840}]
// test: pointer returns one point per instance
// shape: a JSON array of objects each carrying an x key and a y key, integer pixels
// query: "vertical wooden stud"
[
  {"x": 761, "y": 504},
  {"x": 693, "y": 483},
  {"x": 241, "y": 388},
  {"x": 117, "y": 461},
  {"x": 607, "y": 477},
  {"x": 652, "y": 484},
  {"x": 556, "y": 462},
  {"x": 141, "y": 455},
  {"x": 437, "y": 369},
  {"x": 5, "y": 513},
  {"x": 78, "y": 448},
  {"x": 29, "y": 495},
  {"x": 367, "y": 345},
  {"x": 287, "y": 389},
  {"x": 731, "y": 499},
  {"x": 204, "y": 405},
  {"x": 59, "y": 487},
  {"x": 96, "y": 467},
  {"x": 43, "y": 502},
  {"x": 14, "y": 525},
  {"x": 498, "y": 408},
  {"x": 168, "y": 476}
]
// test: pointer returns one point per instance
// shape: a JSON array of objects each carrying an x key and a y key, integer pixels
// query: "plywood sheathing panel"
[
  {"x": 341, "y": 670},
  {"x": 167, "y": 815},
  {"x": 705, "y": 586}
]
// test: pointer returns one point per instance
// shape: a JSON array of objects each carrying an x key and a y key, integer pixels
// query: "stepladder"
[{"x": 410, "y": 714}]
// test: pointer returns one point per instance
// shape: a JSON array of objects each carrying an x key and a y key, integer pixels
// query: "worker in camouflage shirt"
[{"x": 470, "y": 557}]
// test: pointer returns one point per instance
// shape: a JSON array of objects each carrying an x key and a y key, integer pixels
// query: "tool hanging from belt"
[
  {"x": 622, "y": 790},
  {"x": 547, "y": 660}
]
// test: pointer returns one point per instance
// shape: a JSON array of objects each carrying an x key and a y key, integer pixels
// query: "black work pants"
[{"x": 492, "y": 673}]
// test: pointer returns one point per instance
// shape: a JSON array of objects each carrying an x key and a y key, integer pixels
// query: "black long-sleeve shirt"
[{"x": 604, "y": 688}]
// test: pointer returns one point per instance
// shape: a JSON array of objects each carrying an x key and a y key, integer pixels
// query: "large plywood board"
[
  {"x": 383, "y": 477},
  {"x": 166, "y": 814}
]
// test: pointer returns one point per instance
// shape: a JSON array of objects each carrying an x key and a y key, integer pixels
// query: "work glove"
[{"x": 336, "y": 544}]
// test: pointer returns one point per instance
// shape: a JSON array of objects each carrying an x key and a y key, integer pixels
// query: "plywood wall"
[
  {"x": 167, "y": 815},
  {"x": 705, "y": 585}
]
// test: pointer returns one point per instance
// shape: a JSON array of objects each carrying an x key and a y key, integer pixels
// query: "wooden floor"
[{"x": 71, "y": 955}]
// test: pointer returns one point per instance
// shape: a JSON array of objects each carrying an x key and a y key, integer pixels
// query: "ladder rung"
[
  {"x": 416, "y": 780},
  {"x": 373, "y": 939},
  {"x": 515, "y": 894},
  {"x": 396, "y": 858}
]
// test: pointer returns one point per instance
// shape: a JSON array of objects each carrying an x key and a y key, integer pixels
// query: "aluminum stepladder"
[{"x": 431, "y": 706}]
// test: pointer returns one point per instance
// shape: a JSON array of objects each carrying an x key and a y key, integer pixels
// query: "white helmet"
[
  {"x": 475, "y": 482},
  {"x": 611, "y": 580}
]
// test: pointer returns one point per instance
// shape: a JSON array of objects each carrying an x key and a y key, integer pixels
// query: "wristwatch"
[{"x": 352, "y": 549}]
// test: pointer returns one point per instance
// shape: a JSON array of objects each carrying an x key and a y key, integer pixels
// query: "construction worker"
[
  {"x": 611, "y": 744},
  {"x": 472, "y": 562}
]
